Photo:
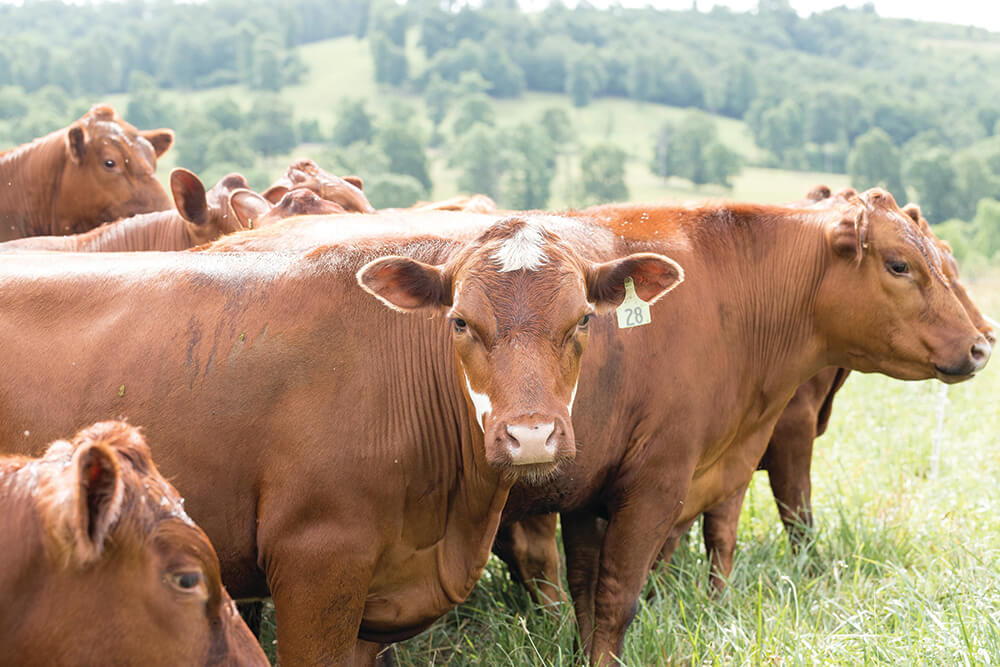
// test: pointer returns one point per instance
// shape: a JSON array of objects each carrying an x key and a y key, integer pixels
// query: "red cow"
[
  {"x": 101, "y": 565},
  {"x": 97, "y": 170}
]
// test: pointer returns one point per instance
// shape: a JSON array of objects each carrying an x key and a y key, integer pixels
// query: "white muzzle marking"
[{"x": 531, "y": 443}]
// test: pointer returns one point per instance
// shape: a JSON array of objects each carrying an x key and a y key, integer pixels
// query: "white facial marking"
[
  {"x": 481, "y": 403},
  {"x": 523, "y": 250},
  {"x": 572, "y": 397}
]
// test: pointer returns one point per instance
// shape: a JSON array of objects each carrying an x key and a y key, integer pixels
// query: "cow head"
[
  {"x": 254, "y": 211},
  {"x": 950, "y": 268},
  {"x": 207, "y": 215},
  {"x": 346, "y": 192},
  {"x": 110, "y": 172},
  {"x": 886, "y": 301},
  {"x": 115, "y": 544},
  {"x": 519, "y": 302}
]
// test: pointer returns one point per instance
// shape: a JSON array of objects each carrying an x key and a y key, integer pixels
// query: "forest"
[{"x": 906, "y": 105}]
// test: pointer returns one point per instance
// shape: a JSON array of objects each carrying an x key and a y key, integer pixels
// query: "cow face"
[
  {"x": 110, "y": 172},
  {"x": 122, "y": 572},
  {"x": 254, "y": 211},
  {"x": 207, "y": 215},
  {"x": 519, "y": 305},
  {"x": 949, "y": 266},
  {"x": 887, "y": 302},
  {"x": 305, "y": 174}
]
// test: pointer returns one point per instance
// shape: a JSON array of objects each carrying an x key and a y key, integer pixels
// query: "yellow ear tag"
[{"x": 634, "y": 312}]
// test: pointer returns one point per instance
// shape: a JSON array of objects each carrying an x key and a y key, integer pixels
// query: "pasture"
[{"x": 904, "y": 568}]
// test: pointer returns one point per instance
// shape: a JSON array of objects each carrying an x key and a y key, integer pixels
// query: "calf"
[
  {"x": 97, "y": 170},
  {"x": 103, "y": 566},
  {"x": 199, "y": 217},
  {"x": 347, "y": 460}
]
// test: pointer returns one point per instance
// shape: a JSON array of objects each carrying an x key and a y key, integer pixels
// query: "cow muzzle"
[
  {"x": 975, "y": 360},
  {"x": 533, "y": 446}
]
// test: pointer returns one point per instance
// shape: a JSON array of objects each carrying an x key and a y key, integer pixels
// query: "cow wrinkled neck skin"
[{"x": 97, "y": 170}]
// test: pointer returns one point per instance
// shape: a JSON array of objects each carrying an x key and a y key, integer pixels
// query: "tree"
[
  {"x": 226, "y": 113},
  {"x": 229, "y": 147},
  {"x": 603, "y": 173},
  {"x": 582, "y": 81},
  {"x": 478, "y": 157},
  {"x": 530, "y": 165},
  {"x": 473, "y": 109},
  {"x": 874, "y": 161},
  {"x": 390, "y": 60},
  {"x": 438, "y": 96},
  {"x": 557, "y": 125},
  {"x": 403, "y": 145},
  {"x": 721, "y": 164},
  {"x": 506, "y": 78},
  {"x": 986, "y": 226},
  {"x": 267, "y": 69},
  {"x": 194, "y": 133},
  {"x": 932, "y": 175},
  {"x": 271, "y": 126},
  {"x": 393, "y": 190},
  {"x": 739, "y": 89},
  {"x": 973, "y": 182},
  {"x": 782, "y": 128},
  {"x": 353, "y": 123}
]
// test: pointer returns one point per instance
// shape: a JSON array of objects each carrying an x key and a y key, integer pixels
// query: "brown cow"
[
  {"x": 97, "y": 170},
  {"x": 670, "y": 429},
  {"x": 199, "y": 217},
  {"x": 332, "y": 448},
  {"x": 304, "y": 173},
  {"x": 101, "y": 565}
]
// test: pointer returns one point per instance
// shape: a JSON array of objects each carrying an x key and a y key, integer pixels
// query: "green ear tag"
[{"x": 634, "y": 312}]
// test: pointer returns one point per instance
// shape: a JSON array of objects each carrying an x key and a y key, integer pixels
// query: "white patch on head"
[
  {"x": 523, "y": 250},
  {"x": 572, "y": 397},
  {"x": 480, "y": 402}
]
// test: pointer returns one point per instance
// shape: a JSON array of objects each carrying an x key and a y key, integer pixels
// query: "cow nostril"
[{"x": 980, "y": 352}]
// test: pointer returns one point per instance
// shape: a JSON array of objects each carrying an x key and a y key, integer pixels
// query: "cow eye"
[
  {"x": 897, "y": 267},
  {"x": 584, "y": 321},
  {"x": 459, "y": 324},
  {"x": 186, "y": 581},
  {"x": 109, "y": 164}
]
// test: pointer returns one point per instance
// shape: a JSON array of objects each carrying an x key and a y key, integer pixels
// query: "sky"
[{"x": 982, "y": 13}]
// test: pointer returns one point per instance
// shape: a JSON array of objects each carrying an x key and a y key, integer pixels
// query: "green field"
[{"x": 343, "y": 68}]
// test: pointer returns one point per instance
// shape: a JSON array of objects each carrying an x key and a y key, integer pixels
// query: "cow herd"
[{"x": 358, "y": 405}]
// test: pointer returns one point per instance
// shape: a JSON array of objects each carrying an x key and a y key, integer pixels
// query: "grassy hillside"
[{"x": 342, "y": 68}]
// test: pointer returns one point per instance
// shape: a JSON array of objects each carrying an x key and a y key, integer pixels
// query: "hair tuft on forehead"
[{"x": 522, "y": 245}]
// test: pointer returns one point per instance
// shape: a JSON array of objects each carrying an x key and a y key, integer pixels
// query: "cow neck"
[
  {"x": 27, "y": 204},
  {"x": 763, "y": 268},
  {"x": 429, "y": 401},
  {"x": 162, "y": 230}
]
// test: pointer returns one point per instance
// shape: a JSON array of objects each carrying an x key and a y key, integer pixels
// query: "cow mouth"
[
  {"x": 953, "y": 375},
  {"x": 534, "y": 474}
]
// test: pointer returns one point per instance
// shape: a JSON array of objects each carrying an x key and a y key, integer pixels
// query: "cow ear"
[
  {"x": 76, "y": 143},
  {"x": 913, "y": 211},
  {"x": 405, "y": 284},
  {"x": 819, "y": 193},
  {"x": 355, "y": 181},
  {"x": 248, "y": 207},
  {"x": 849, "y": 236},
  {"x": 274, "y": 193},
  {"x": 98, "y": 497},
  {"x": 189, "y": 196},
  {"x": 653, "y": 276},
  {"x": 161, "y": 139}
]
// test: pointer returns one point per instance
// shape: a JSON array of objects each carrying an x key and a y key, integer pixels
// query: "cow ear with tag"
[
  {"x": 189, "y": 196},
  {"x": 652, "y": 275},
  {"x": 248, "y": 207},
  {"x": 405, "y": 284},
  {"x": 76, "y": 143}
]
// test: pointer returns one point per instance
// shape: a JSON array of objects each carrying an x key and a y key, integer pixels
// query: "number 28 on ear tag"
[{"x": 634, "y": 312}]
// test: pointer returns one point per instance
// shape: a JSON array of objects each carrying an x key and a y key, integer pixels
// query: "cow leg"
[
  {"x": 531, "y": 552},
  {"x": 583, "y": 535},
  {"x": 370, "y": 653},
  {"x": 788, "y": 461},
  {"x": 719, "y": 526},
  {"x": 319, "y": 593},
  {"x": 637, "y": 529}
]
